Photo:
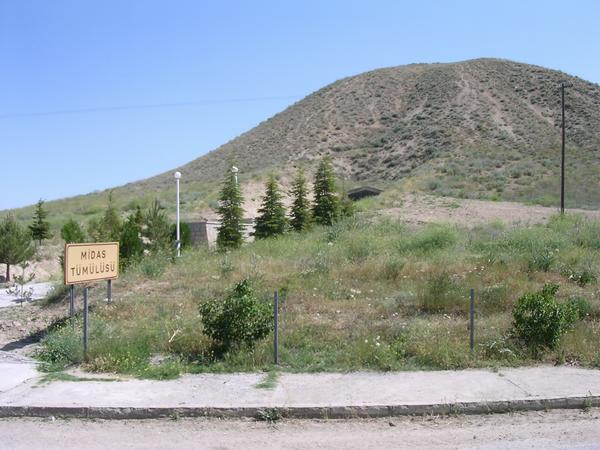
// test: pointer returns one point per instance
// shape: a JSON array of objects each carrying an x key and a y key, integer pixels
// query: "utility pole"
[
  {"x": 563, "y": 85},
  {"x": 562, "y": 158}
]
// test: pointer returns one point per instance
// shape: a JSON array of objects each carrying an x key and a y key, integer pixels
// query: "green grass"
[
  {"x": 361, "y": 295},
  {"x": 269, "y": 382}
]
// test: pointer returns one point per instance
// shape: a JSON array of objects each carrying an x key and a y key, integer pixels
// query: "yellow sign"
[{"x": 91, "y": 262}]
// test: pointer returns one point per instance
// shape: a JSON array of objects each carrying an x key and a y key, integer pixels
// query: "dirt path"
[
  {"x": 419, "y": 209},
  {"x": 554, "y": 429}
]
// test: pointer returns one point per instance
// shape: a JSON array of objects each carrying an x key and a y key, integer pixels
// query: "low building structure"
[
  {"x": 205, "y": 232},
  {"x": 362, "y": 192}
]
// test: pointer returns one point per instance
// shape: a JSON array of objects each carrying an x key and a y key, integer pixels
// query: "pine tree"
[
  {"x": 230, "y": 210},
  {"x": 15, "y": 244},
  {"x": 108, "y": 228},
  {"x": 300, "y": 211},
  {"x": 71, "y": 232},
  {"x": 271, "y": 220},
  {"x": 131, "y": 247},
  {"x": 326, "y": 204},
  {"x": 157, "y": 229},
  {"x": 40, "y": 228}
]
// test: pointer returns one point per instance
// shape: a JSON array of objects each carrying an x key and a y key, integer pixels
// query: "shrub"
[
  {"x": 580, "y": 306},
  {"x": 61, "y": 347},
  {"x": 153, "y": 266},
  {"x": 581, "y": 276},
  {"x": 391, "y": 268},
  {"x": 431, "y": 239},
  {"x": 185, "y": 234},
  {"x": 441, "y": 293},
  {"x": 540, "y": 320},
  {"x": 541, "y": 259},
  {"x": 240, "y": 319}
]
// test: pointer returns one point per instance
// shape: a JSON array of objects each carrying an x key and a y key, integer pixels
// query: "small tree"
[
  {"x": 40, "y": 228},
  {"x": 157, "y": 229},
  {"x": 271, "y": 220},
  {"x": 230, "y": 210},
  {"x": 15, "y": 244},
  {"x": 540, "y": 320},
  {"x": 300, "y": 211},
  {"x": 326, "y": 204},
  {"x": 108, "y": 228},
  {"x": 239, "y": 320},
  {"x": 131, "y": 247},
  {"x": 72, "y": 232}
]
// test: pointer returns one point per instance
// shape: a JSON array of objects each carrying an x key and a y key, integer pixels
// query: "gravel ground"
[{"x": 554, "y": 429}]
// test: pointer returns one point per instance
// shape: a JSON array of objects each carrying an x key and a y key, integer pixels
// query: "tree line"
[
  {"x": 150, "y": 231},
  {"x": 328, "y": 206},
  {"x": 16, "y": 241}
]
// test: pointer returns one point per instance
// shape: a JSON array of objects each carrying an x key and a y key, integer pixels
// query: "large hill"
[
  {"x": 485, "y": 128},
  {"x": 478, "y": 128}
]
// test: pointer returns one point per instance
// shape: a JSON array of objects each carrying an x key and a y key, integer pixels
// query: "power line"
[{"x": 97, "y": 109}]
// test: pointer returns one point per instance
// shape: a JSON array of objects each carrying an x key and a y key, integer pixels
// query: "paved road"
[
  {"x": 39, "y": 291},
  {"x": 549, "y": 430}
]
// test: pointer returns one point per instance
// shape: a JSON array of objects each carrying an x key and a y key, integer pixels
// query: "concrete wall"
[{"x": 205, "y": 233}]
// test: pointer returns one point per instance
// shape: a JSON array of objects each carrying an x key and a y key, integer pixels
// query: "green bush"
[
  {"x": 432, "y": 238},
  {"x": 61, "y": 347},
  {"x": 240, "y": 319},
  {"x": 581, "y": 306},
  {"x": 440, "y": 294},
  {"x": 153, "y": 266},
  {"x": 581, "y": 276},
  {"x": 539, "y": 320},
  {"x": 541, "y": 259},
  {"x": 185, "y": 234}
]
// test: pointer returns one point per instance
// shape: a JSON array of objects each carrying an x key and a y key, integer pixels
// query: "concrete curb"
[{"x": 302, "y": 412}]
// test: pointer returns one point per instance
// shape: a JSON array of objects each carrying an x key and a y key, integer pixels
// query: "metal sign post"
[
  {"x": 71, "y": 301},
  {"x": 86, "y": 323},
  {"x": 88, "y": 263},
  {"x": 109, "y": 291}
]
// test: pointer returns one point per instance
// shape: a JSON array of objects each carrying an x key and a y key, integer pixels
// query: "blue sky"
[{"x": 67, "y": 68}]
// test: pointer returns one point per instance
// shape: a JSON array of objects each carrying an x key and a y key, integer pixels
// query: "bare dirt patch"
[{"x": 419, "y": 209}]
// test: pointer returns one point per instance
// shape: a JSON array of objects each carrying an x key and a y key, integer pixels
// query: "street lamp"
[
  {"x": 177, "y": 176},
  {"x": 235, "y": 171}
]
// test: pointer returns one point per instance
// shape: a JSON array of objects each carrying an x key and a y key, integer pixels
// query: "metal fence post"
[
  {"x": 276, "y": 328},
  {"x": 472, "y": 321}
]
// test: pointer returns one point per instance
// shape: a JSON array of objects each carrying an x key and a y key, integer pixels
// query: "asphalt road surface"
[{"x": 552, "y": 429}]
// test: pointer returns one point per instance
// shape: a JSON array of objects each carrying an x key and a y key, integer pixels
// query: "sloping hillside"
[
  {"x": 479, "y": 128},
  {"x": 485, "y": 129}
]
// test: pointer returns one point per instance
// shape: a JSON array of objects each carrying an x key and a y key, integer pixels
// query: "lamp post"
[
  {"x": 235, "y": 171},
  {"x": 177, "y": 176}
]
